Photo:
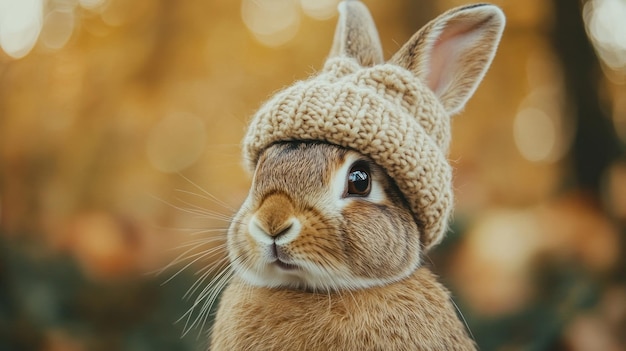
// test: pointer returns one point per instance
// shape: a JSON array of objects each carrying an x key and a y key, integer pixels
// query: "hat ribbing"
[{"x": 384, "y": 112}]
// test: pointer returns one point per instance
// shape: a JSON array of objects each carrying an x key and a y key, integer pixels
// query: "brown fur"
[
  {"x": 413, "y": 314},
  {"x": 273, "y": 213}
]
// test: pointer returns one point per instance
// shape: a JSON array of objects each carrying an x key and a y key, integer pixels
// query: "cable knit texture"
[{"x": 384, "y": 112}]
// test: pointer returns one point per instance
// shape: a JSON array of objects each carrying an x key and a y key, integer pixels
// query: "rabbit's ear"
[
  {"x": 452, "y": 53},
  {"x": 356, "y": 35}
]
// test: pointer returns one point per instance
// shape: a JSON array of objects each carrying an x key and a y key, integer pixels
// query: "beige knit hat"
[{"x": 397, "y": 113}]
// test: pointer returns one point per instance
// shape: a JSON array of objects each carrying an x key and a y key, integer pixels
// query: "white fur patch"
[
  {"x": 291, "y": 234},
  {"x": 257, "y": 233}
]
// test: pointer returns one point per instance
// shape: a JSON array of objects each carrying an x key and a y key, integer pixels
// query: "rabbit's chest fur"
[{"x": 414, "y": 314}]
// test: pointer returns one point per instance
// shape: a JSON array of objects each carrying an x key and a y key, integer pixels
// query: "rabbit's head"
[
  {"x": 322, "y": 217},
  {"x": 351, "y": 180}
]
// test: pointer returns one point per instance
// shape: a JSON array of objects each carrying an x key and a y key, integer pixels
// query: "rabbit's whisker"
[
  {"x": 463, "y": 318},
  {"x": 199, "y": 242},
  {"x": 205, "y": 273},
  {"x": 206, "y": 298},
  {"x": 203, "y": 211},
  {"x": 196, "y": 257},
  {"x": 207, "y": 194}
]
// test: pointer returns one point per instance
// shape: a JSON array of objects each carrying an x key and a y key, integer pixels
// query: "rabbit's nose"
[
  {"x": 280, "y": 232},
  {"x": 274, "y": 220},
  {"x": 274, "y": 235}
]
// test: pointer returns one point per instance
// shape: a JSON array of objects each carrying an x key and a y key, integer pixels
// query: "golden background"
[{"x": 120, "y": 120}]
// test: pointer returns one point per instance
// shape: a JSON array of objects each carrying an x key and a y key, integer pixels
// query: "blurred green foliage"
[{"x": 46, "y": 299}]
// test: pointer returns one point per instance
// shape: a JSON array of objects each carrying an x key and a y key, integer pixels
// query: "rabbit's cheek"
[
  {"x": 238, "y": 246},
  {"x": 380, "y": 244},
  {"x": 323, "y": 249}
]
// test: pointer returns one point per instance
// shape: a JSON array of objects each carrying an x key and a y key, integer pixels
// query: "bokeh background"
[{"x": 120, "y": 124}]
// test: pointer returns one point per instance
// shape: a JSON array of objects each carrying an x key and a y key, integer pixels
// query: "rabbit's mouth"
[
  {"x": 281, "y": 258},
  {"x": 284, "y": 265}
]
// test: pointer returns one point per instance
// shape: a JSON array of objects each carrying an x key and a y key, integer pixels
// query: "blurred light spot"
[
  {"x": 104, "y": 245},
  {"x": 501, "y": 243},
  {"x": 117, "y": 13},
  {"x": 57, "y": 28},
  {"x": 176, "y": 142},
  {"x": 606, "y": 26},
  {"x": 273, "y": 22},
  {"x": 589, "y": 331},
  {"x": 535, "y": 134},
  {"x": 493, "y": 271},
  {"x": 63, "y": 5},
  {"x": 319, "y": 9},
  {"x": 92, "y": 4},
  {"x": 20, "y": 25},
  {"x": 545, "y": 79}
]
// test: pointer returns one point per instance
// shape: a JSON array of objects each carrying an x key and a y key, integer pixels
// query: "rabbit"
[{"x": 350, "y": 188}]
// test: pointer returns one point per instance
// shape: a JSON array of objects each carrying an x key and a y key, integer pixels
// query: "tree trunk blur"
[{"x": 595, "y": 145}]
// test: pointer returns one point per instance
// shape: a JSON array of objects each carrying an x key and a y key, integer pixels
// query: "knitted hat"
[{"x": 396, "y": 113}]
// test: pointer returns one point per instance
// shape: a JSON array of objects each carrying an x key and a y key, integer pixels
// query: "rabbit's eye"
[{"x": 359, "y": 182}]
